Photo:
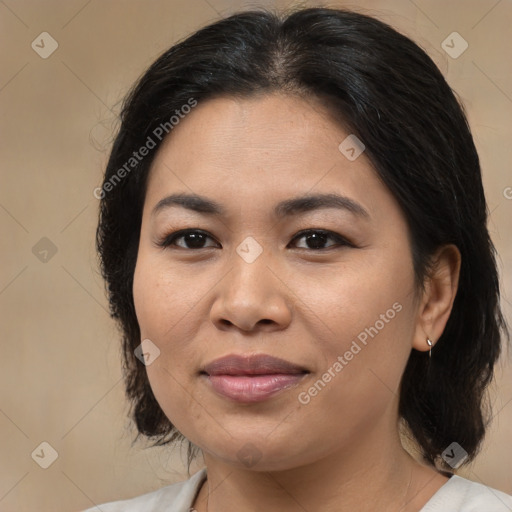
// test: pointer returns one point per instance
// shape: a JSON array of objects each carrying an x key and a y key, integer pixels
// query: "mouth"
[{"x": 249, "y": 379}]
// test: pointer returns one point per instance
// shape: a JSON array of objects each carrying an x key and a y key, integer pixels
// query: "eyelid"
[
  {"x": 328, "y": 233},
  {"x": 166, "y": 240}
]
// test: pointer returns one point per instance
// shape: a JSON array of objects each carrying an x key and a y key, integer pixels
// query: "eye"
[
  {"x": 193, "y": 239},
  {"x": 318, "y": 237}
]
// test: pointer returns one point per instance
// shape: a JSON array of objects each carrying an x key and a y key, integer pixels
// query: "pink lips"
[{"x": 252, "y": 378}]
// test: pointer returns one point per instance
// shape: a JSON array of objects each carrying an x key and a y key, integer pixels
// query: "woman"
[{"x": 293, "y": 234}]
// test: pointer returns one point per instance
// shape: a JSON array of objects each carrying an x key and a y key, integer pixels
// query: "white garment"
[{"x": 456, "y": 495}]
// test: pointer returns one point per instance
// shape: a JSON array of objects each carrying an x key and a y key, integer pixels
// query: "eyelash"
[{"x": 169, "y": 240}]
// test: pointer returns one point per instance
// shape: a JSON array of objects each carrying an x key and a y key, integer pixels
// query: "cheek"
[
  {"x": 164, "y": 306},
  {"x": 157, "y": 312},
  {"x": 361, "y": 379},
  {"x": 158, "y": 297},
  {"x": 143, "y": 294},
  {"x": 371, "y": 329}
]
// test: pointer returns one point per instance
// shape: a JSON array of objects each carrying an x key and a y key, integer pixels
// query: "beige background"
[{"x": 60, "y": 365}]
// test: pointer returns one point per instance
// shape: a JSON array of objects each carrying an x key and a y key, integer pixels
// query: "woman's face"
[{"x": 339, "y": 303}]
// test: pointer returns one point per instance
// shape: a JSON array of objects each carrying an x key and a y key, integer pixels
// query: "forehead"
[
  {"x": 255, "y": 128},
  {"x": 267, "y": 147}
]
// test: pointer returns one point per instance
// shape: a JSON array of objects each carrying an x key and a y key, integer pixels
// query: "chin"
[{"x": 257, "y": 453}]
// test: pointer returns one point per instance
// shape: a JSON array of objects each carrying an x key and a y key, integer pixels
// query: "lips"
[
  {"x": 249, "y": 379},
  {"x": 261, "y": 364}
]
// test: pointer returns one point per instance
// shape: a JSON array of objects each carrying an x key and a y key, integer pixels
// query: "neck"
[{"x": 367, "y": 476}]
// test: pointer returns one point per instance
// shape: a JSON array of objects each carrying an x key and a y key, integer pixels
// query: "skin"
[{"x": 303, "y": 305}]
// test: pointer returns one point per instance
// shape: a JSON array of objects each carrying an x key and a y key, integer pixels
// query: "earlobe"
[{"x": 437, "y": 300}]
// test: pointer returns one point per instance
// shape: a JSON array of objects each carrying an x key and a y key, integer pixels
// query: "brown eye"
[
  {"x": 317, "y": 238},
  {"x": 191, "y": 239}
]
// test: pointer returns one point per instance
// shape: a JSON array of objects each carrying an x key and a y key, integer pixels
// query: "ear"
[{"x": 435, "y": 304}]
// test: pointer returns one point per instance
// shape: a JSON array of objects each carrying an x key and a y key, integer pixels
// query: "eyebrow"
[{"x": 287, "y": 208}]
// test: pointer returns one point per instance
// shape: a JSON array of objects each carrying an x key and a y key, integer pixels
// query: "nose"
[{"x": 252, "y": 296}]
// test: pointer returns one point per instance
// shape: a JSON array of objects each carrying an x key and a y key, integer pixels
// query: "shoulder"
[
  {"x": 177, "y": 497},
  {"x": 461, "y": 495}
]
